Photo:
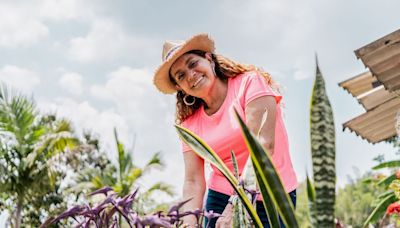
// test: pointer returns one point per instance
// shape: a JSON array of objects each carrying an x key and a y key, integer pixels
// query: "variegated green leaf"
[
  {"x": 323, "y": 152},
  {"x": 273, "y": 215},
  {"x": 269, "y": 177},
  {"x": 235, "y": 165},
  {"x": 240, "y": 218},
  {"x": 311, "y": 201}
]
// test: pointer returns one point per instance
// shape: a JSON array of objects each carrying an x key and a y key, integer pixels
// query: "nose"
[{"x": 192, "y": 74}]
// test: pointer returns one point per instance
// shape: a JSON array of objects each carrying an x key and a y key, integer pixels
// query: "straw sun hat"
[{"x": 172, "y": 50}]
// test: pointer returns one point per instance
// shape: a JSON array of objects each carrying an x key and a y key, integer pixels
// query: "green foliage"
[
  {"x": 302, "y": 207},
  {"x": 322, "y": 130},
  {"x": 360, "y": 194},
  {"x": 390, "y": 196},
  {"x": 29, "y": 143}
]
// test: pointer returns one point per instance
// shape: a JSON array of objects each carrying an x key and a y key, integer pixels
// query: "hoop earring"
[{"x": 188, "y": 103}]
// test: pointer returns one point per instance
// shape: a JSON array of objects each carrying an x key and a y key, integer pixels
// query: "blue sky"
[{"x": 92, "y": 61}]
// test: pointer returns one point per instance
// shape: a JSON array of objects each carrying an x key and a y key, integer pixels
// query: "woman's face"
[{"x": 194, "y": 74}]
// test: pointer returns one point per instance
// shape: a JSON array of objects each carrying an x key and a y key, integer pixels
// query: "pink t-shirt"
[{"x": 221, "y": 131}]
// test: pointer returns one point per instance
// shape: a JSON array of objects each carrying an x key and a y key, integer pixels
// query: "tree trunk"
[{"x": 18, "y": 211}]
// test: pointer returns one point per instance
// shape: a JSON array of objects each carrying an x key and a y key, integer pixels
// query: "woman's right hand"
[{"x": 225, "y": 221}]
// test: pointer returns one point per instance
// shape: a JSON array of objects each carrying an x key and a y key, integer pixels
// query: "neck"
[{"x": 216, "y": 96}]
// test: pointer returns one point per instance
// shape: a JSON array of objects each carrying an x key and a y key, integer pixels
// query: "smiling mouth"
[{"x": 197, "y": 81}]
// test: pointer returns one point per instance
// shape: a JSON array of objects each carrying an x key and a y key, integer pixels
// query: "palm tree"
[{"x": 28, "y": 142}]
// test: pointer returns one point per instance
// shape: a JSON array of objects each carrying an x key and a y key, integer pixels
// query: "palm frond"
[
  {"x": 154, "y": 162},
  {"x": 162, "y": 187}
]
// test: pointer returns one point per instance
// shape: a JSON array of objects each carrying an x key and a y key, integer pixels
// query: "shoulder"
[{"x": 246, "y": 79}]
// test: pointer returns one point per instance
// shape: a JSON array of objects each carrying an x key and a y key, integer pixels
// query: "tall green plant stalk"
[{"x": 323, "y": 153}]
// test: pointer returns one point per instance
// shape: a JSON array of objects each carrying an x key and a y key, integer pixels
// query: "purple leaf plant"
[{"x": 113, "y": 209}]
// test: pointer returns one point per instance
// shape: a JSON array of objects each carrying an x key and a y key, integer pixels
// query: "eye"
[
  {"x": 193, "y": 63},
  {"x": 180, "y": 76}
]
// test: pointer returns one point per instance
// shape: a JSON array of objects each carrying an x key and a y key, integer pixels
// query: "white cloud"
[
  {"x": 135, "y": 96},
  {"x": 19, "y": 27},
  {"x": 105, "y": 40},
  {"x": 84, "y": 116},
  {"x": 24, "y": 23},
  {"x": 72, "y": 82},
  {"x": 22, "y": 79},
  {"x": 125, "y": 83},
  {"x": 64, "y": 9}
]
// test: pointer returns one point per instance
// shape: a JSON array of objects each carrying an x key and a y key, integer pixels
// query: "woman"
[{"x": 208, "y": 87}]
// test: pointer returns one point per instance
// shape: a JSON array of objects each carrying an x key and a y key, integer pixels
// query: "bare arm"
[
  {"x": 265, "y": 131},
  {"x": 194, "y": 184}
]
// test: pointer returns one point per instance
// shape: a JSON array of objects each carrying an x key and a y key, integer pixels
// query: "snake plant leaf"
[
  {"x": 311, "y": 200},
  {"x": 388, "y": 164},
  {"x": 240, "y": 218},
  {"x": 204, "y": 151},
  {"x": 235, "y": 165},
  {"x": 380, "y": 210},
  {"x": 270, "y": 178},
  {"x": 323, "y": 152},
  {"x": 273, "y": 216}
]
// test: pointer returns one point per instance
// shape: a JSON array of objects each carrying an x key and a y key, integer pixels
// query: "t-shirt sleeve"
[{"x": 255, "y": 86}]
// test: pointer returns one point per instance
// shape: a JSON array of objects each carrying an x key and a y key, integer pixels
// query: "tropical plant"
[
  {"x": 124, "y": 177},
  {"x": 357, "y": 192},
  {"x": 113, "y": 209},
  {"x": 390, "y": 196},
  {"x": 321, "y": 192},
  {"x": 276, "y": 201},
  {"x": 28, "y": 144}
]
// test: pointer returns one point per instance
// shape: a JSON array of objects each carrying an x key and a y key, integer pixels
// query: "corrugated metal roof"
[
  {"x": 359, "y": 84},
  {"x": 377, "y": 90},
  {"x": 377, "y": 124},
  {"x": 382, "y": 57},
  {"x": 375, "y": 97}
]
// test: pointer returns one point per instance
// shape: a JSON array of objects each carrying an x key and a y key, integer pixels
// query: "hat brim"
[{"x": 161, "y": 79}]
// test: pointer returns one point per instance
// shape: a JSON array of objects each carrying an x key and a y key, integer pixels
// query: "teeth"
[{"x": 197, "y": 82}]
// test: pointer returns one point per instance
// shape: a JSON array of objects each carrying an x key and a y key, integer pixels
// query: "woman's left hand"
[{"x": 225, "y": 221}]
